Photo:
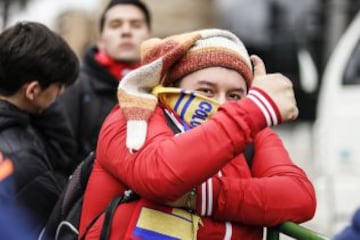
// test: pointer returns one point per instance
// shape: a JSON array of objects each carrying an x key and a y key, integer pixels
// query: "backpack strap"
[
  {"x": 82, "y": 237},
  {"x": 128, "y": 196}
]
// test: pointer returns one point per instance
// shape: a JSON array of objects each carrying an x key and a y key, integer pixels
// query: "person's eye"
[
  {"x": 115, "y": 24},
  {"x": 208, "y": 92},
  {"x": 137, "y": 24},
  {"x": 234, "y": 96}
]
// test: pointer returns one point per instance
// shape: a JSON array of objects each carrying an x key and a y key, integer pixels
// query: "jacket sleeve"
[
  {"x": 60, "y": 143},
  {"x": 168, "y": 166},
  {"x": 278, "y": 190}
]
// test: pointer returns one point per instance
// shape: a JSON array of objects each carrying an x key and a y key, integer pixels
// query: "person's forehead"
[
  {"x": 124, "y": 12},
  {"x": 216, "y": 76}
]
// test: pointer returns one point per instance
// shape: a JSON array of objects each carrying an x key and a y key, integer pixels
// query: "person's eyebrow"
[
  {"x": 241, "y": 90},
  {"x": 120, "y": 19},
  {"x": 205, "y": 82}
]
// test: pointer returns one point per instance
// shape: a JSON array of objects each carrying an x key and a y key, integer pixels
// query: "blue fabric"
[
  {"x": 352, "y": 232},
  {"x": 150, "y": 235},
  {"x": 14, "y": 222},
  {"x": 7, "y": 191}
]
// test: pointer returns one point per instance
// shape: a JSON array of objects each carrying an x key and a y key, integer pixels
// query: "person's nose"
[
  {"x": 221, "y": 98},
  {"x": 126, "y": 29}
]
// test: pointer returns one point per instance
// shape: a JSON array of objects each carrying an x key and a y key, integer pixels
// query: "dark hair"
[
  {"x": 31, "y": 51},
  {"x": 136, "y": 3}
]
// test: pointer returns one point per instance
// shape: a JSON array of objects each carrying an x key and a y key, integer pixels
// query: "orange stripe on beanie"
[
  {"x": 222, "y": 50},
  {"x": 211, "y": 57},
  {"x": 165, "y": 61}
]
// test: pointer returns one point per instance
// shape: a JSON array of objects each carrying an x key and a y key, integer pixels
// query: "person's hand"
[{"x": 278, "y": 87}]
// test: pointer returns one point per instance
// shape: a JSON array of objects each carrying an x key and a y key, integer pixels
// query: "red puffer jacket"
[{"x": 233, "y": 202}]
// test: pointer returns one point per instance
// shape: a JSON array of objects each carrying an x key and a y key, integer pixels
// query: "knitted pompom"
[{"x": 136, "y": 134}]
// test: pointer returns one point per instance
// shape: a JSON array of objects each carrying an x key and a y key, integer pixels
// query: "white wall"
[{"x": 46, "y": 11}]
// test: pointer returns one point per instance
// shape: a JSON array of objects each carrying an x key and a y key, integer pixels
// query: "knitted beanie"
[
  {"x": 216, "y": 51},
  {"x": 167, "y": 60}
]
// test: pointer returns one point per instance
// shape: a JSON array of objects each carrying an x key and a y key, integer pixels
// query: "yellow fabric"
[
  {"x": 191, "y": 107},
  {"x": 177, "y": 224}
]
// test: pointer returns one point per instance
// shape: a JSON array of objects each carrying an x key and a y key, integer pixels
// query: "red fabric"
[
  {"x": 168, "y": 166},
  {"x": 272, "y": 104},
  {"x": 116, "y": 68}
]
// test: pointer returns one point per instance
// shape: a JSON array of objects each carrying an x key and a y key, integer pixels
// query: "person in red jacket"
[{"x": 197, "y": 184}]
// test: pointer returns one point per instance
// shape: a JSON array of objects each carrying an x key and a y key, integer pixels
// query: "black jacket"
[
  {"x": 43, "y": 153},
  {"x": 88, "y": 102}
]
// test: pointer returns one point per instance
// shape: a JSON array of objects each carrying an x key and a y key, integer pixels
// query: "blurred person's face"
[
  {"x": 124, "y": 30},
  {"x": 40, "y": 98},
  {"x": 218, "y": 83}
]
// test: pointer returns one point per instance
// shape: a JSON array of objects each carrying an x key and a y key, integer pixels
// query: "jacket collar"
[
  {"x": 100, "y": 78},
  {"x": 10, "y": 116}
]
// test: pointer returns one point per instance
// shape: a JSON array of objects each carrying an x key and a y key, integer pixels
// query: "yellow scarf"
[{"x": 192, "y": 108}]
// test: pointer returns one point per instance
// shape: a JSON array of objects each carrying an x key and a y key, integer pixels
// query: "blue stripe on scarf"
[
  {"x": 182, "y": 95},
  {"x": 186, "y": 105}
]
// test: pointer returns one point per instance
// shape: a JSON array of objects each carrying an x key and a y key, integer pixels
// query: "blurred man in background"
[{"x": 124, "y": 25}]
